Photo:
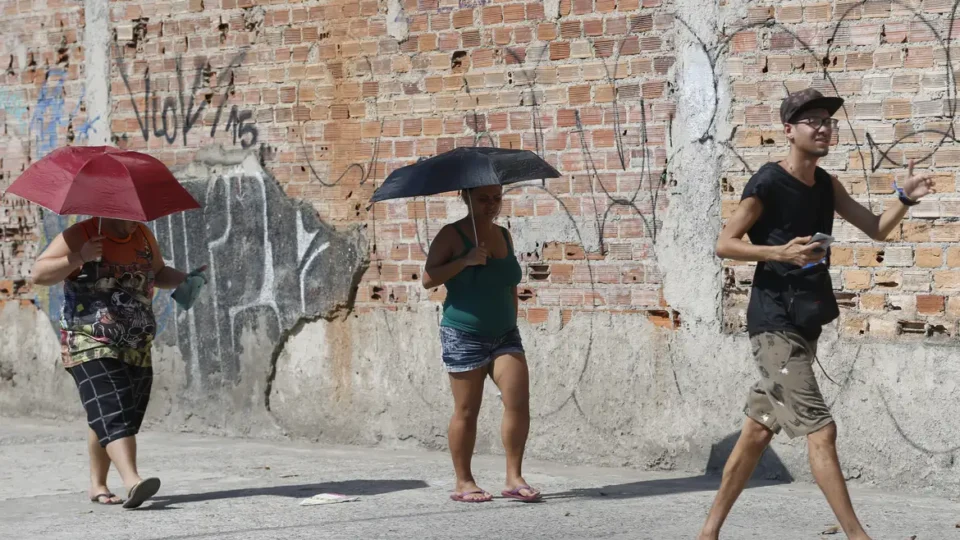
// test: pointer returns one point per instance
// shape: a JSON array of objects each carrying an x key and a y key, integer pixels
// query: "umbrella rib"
[
  {"x": 69, "y": 190},
  {"x": 136, "y": 188}
]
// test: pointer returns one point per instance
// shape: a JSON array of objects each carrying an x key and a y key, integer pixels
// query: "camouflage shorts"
[{"x": 787, "y": 395}]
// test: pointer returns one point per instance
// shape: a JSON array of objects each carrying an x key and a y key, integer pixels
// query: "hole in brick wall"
[
  {"x": 880, "y": 256},
  {"x": 729, "y": 278},
  {"x": 938, "y": 330},
  {"x": 887, "y": 284},
  {"x": 825, "y": 61},
  {"x": 725, "y": 186},
  {"x": 376, "y": 293},
  {"x": 912, "y": 327},
  {"x": 539, "y": 272},
  {"x": 456, "y": 60},
  {"x": 766, "y": 65},
  {"x": 413, "y": 276},
  {"x": 768, "y": 141},
  {"x": 525, "y": 295},
  {"x": 846, "y": 299},
  {"x": 223, "y": 28}
]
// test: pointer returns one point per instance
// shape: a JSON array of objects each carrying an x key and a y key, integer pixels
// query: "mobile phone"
[{"x": 824, "y": 239}]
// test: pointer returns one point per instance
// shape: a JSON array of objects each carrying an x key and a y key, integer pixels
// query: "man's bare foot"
[
  {"x": 103, "y": 495},
  {"x": 468, "y": 491}
]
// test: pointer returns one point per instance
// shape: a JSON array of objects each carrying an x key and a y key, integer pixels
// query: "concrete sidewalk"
[{"x": 246, "y": 489}]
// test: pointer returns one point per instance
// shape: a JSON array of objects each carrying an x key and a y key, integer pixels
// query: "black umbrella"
[{"x": 463, "y": 169}]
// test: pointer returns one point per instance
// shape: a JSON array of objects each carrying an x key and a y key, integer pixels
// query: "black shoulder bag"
[{"x": 808, "y": 292}]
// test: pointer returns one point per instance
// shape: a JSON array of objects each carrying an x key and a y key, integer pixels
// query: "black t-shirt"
[{"x": 790, "y": 209}]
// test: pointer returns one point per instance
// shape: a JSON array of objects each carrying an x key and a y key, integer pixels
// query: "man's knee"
[
  {"x": 756, "y": 434},
  {"x": 824, "y": 437}
]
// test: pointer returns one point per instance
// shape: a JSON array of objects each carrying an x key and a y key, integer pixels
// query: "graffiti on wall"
[
  {"x": 49, "y": 115},
  {"x": 271, "y": 263},
  {"x": 173, "y": 117}
]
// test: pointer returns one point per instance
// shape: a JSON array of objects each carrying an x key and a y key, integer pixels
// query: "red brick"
[
  {"x": 559, "y": 50},
  {"x": 463, "y": 18},
  {"x": 928, "y": 304},
  {"x": 492, "y": 15}
]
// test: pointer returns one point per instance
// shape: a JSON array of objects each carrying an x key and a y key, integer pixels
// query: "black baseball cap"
[{"x": 804, "y": 100}]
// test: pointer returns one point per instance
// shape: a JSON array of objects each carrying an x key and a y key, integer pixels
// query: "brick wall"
[
  {"x": 889, "y": 61},
  {"x": 334, "y": 101},
  {"x": 41, "y": 108}
]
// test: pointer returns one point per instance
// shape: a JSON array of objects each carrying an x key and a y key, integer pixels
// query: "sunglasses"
[{"x": 820, "y": 123}]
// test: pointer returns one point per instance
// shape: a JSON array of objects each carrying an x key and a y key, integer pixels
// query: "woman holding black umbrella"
[
  {"x": 474, "y": 259},
  {"x": 479, "y": 337}
]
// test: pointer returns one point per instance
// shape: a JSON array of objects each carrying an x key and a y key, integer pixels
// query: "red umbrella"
[{"x": 105, "y": 182}]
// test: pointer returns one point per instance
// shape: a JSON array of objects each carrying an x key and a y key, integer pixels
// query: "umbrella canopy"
[
  {"x": 105, "y": 182},
  {"x": 463, "y": 168}
]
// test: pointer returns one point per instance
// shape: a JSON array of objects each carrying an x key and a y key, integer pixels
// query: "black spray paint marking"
[{"x": 165, "y": 120}]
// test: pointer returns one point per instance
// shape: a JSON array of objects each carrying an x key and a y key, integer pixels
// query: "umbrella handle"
[
  {"x": 99, "y": 229},
  {"x": 473, "y": 220},
  {"x": 476, "y": 236}
]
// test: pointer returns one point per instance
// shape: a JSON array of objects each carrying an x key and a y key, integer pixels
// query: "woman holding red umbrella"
[{"x": 109, "y": 268}]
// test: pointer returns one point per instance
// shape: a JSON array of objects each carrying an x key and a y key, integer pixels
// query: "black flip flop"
[{"x": 141, "y": 492}]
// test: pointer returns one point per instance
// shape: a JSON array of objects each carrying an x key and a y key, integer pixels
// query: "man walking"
[{"x": 783, "y": 208}]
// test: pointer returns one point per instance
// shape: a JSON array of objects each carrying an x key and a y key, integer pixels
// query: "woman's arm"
[
  {"x": 68, "y": 252},
  {"x": 168, "y": 278},
  {"x": 439, "y": 268},
  {"x": 165, "y": 277}
]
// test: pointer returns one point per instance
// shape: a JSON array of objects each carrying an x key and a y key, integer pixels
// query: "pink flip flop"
[
  {"x": 515, "y": 494},
  {"x": 464, "y": 496}
]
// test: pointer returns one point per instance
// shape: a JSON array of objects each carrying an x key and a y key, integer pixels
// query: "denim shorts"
[{"x": 463, "y": 351}]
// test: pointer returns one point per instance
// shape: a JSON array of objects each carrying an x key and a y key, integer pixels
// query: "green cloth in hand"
[{"x": 187, "y": 293}]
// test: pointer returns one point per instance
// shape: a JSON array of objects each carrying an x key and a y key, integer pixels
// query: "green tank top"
[{"x": 480, "y": 298}]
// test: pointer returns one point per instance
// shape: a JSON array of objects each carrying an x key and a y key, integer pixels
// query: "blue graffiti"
[
  {"x": 48, "y": 116},
  {"x": 87, "y": 127},
  {"x": 14, "y": 108}
]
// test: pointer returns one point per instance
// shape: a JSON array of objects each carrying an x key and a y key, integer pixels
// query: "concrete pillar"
[
  {"x": 686, "y": 244},
  {"x": 96, "y": 46}
]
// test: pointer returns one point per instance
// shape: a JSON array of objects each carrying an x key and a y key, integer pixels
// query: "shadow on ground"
[
  {"x": 299, "y": 491},
  {"x": 770, "y": 471}
]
